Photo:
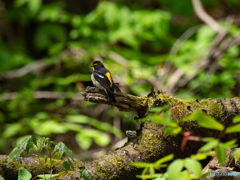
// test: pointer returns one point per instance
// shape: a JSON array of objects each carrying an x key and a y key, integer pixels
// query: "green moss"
[{"x": 236, "y": 158}]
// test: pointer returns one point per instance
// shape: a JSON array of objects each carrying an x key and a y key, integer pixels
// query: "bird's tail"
[{"x": 111, "y": 97}]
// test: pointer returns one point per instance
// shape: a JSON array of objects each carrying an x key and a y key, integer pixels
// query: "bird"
[{"x": 102, "y": 79}]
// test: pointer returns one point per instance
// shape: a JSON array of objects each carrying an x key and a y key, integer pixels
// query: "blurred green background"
[{"x": 48, "y": 46}]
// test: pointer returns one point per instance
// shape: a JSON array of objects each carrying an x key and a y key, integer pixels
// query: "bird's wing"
[{"x": 104, "y": 79}]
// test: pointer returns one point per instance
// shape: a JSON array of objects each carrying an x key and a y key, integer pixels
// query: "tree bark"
[{"x": 150, "y": 143}]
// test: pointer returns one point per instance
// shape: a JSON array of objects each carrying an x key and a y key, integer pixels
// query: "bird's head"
[{"x": 97, "y": 65}]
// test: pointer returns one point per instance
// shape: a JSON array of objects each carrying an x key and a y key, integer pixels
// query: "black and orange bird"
[{"x": 102, "y": 79}]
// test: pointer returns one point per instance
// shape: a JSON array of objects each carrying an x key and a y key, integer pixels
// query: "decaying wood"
[{"x": 151, "y": 143}]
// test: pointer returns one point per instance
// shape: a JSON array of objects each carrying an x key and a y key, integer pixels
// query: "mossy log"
[{"x": 150, "y": 143}]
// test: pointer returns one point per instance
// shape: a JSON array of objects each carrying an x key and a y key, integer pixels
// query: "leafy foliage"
[{"x": 32, "y": 144}]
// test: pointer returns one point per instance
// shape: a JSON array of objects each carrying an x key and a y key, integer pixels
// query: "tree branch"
[
  {"x": 202, "y": 14},
  {"x": 43, "y": 95}
]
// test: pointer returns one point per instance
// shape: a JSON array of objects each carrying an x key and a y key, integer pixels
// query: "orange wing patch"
[{"x": 109, "y": 78}]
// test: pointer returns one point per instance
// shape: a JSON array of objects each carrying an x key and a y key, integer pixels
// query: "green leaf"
[
  {"x": 57, "y": 154},
  {"x": 62, "y": 148},
  {"x": 206, "y": 174},
  {"x": 230, "y": 144},
  {"x": 200, "y": 156},
  {"x": 204, "y": 121},
  {"x": 45, "y": 158},
  {"x": 52, "y": 144},
  {"x": 140, "y": 164},
  {"x": 28, "y": 143},
  {"x": 151, "y": 170},
  {"x": 145, "y": 170},
  {"x": 24, "y": 174},
  {"x": 156, "y": 175},
  {"x": 164, "y": 159},
  {"x": 208, "y": 139},
  {"x": 236, "y": 119},
  {"x": 167, "y": 118},
  {"x": 15, "y": 153},
  {"x": 174, "y": 169},
  {"x": 49, "y": 127},
  {"x": 173, "y": 131},
  {"x": 67, "y": 164},
  {"x": 193, "y": 166},
  {"x": 154, "y": 109},
  {"x": 84, "y": 141},
  {"x": 19, "y": 3},
  {"x": 12, "y": 129},
  {"x": 233, "y": 129},
  {"x": 210, "y": 145},
  {"x": 236, "y": 153},
  {"x": 78, "y": 119},
  {"x": 102, "y": 139},
  {"x": 34, "y": 6},
  {"x": 49, "y": 163},
  {"x": 48, "y": 176},
  {"x": 221, "y": 153},
  {"x": 156, "y": 119},
  {"x": 85, "y": 174}
]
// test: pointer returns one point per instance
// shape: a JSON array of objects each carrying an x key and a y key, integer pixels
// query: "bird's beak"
[{"x": 91, "y": 65}]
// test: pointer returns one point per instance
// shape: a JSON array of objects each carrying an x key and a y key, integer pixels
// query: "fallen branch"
[{"x": 150, "y": 143}]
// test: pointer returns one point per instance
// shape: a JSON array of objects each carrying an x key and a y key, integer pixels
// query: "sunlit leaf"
[
  {"x": 233, "y": 129},
  {"x": 221, "y": 153},
  {"x": 210, "y": 145},
  {"x": 174, "y": 169},
  {"x": 204, "y": 121},
  {"x": 102, "y": 139},
  {"x": 140, "y": 164},
  {"x": 173, "y": 131},
  {"x": 237, "y": 152},
  {"x": 34, "y": 6},
  {"x": 84, "y": 141},
  {"x": 230, "y": 144},
  {"x": 78, "y": 119},
  {"x": 24, "y": 174},
  {"x": 164, "y": 159},
  {"x": 167, "y": 118},
  {"x": 193, "y": 166},
  {"x": 200, "y": 156},
  {"x": 236, "y": 119}
]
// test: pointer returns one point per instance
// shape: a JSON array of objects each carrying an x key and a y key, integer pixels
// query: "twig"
[
  {"x": 214, "y": 56},
  {"x": 175, "y": 48},
  {"x": 43, "y": 95},
  {"x": 116, "y": 57},
  {"x": 30, "y": 68},
  {"x": 202, "y": 14}
]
